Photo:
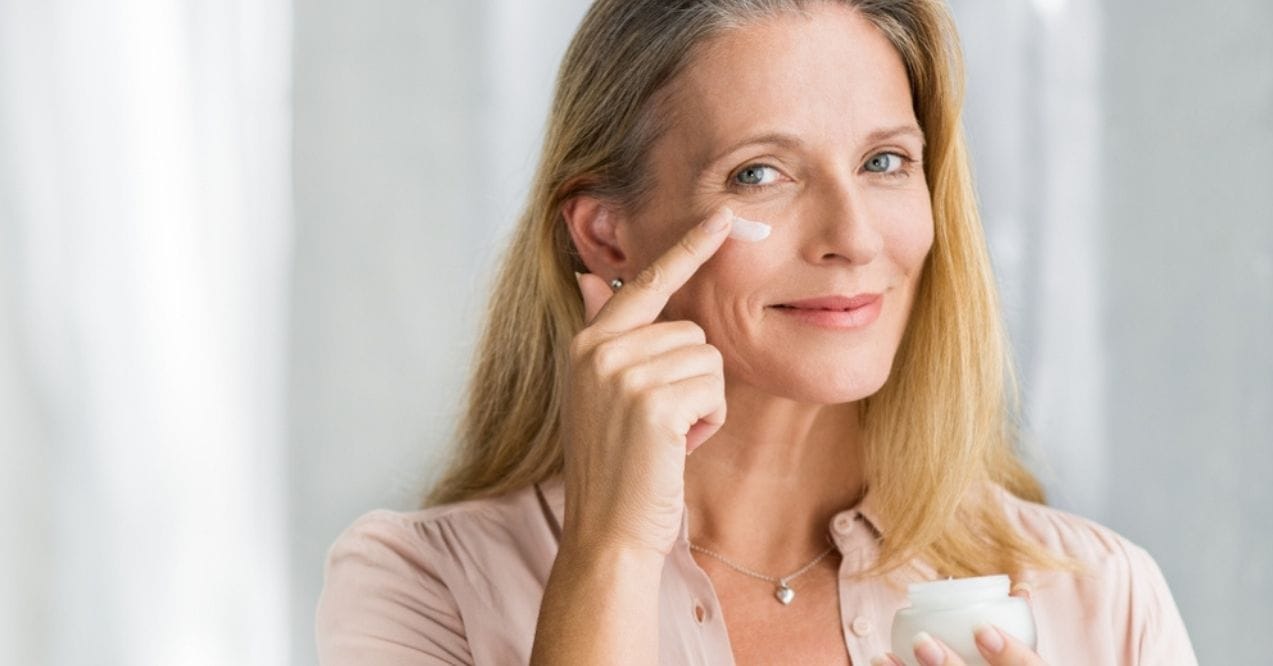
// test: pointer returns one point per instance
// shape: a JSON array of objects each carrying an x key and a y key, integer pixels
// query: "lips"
[
  {"x": 841, "y": 313},
  {"x": 833, "y": 303}
]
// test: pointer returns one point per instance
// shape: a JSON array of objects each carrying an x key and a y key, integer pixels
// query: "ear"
[{"x": 593, "y": 225}]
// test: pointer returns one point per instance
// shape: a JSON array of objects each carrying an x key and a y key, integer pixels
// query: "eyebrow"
[
  {"x": 898, "y": 130},
  {"x": 785, "y": 140}
]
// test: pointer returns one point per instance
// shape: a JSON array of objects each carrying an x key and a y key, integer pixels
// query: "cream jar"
[{"x": 949, "y": 610}]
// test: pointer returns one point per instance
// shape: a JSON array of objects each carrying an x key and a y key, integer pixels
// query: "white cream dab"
[{"x": 748, "y": 230}]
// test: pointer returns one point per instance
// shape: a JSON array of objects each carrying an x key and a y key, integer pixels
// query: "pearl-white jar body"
[{"x": 954, "y": 626}]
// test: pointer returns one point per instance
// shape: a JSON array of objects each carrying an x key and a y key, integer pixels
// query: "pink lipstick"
[{"x": 836, "y": 311}]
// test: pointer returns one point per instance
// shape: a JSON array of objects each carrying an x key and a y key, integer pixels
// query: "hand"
[
  {"x": 997, "y": 647},
  {"x": 641, "y": 395}
]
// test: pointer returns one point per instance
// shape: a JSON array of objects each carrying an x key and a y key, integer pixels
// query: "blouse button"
[
  {"x": 843, "y": 523},
  {"x": 861, "y": 626}
]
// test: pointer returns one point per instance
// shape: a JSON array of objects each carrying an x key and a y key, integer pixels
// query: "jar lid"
[{"x": 958, "y": 591}]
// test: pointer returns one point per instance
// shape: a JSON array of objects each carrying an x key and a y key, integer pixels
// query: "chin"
[{"x": 826, "y": 385}]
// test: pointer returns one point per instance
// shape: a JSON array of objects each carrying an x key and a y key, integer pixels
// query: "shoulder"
[
  {"x": 1068, "y": 535},
  {"x": 443, "y": 537},
  {"x": 416, "y": 530},
  {"x": 1099, "y": 551},
  {"x": 1118, "y": 592},
  {"x": 400, "y": 586}
]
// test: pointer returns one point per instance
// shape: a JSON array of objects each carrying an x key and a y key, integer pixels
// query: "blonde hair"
[{"x": 942, "y": 425}]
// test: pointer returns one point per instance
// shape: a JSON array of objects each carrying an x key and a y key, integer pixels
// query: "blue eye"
[
  {"x": 886, "y": 163},
  {"x": 756, "y": 175}
]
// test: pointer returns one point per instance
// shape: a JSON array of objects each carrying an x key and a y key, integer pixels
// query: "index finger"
[{"x": 639, "y": 302}]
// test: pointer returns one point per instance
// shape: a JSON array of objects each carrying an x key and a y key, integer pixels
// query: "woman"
[{"x": 688, "y": 449}]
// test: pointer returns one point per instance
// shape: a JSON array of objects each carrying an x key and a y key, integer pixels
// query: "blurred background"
[{"x": 244, "y": 245}]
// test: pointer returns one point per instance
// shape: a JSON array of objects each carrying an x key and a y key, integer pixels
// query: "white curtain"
[
  {"x": 144, "y": 227},
  {"x": 1034, "y": 124}
]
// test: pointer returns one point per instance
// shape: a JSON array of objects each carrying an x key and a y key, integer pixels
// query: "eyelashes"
[
  {"x": 760, "y": 176},
  {"x": 755, "y": 175}
]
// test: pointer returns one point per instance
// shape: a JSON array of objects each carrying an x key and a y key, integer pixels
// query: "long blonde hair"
[{"x": 941, "y": 426}]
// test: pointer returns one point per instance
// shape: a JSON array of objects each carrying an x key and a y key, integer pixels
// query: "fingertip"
[
  {"x": 698, "y": 435},
  {"x": 718, "y": 221},
  {"x": 927, "y": 650},
  {"x": 595, "y": 293},
  {"x": 989, "y": 639}
]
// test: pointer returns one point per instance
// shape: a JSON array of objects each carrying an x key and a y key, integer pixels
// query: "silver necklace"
[{"x": 784, "y": 593}]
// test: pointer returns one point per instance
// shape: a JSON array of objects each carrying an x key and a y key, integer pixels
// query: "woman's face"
[{"x": 803, "y": 122}]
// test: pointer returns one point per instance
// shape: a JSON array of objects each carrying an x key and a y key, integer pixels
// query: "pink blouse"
[{"x": 462, "y": 584}]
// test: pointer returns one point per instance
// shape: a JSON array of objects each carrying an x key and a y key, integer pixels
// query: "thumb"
[{"x": 596, "y": 293}]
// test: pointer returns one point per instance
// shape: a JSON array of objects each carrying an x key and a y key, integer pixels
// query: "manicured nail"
[
  {"x": 988, "y": 638},
  {"x": 881, "y": 660},
  {"x": 928, "y": 651},
  {"x": 719, "y": 221},
  {"x": 1022, "y": 590}
]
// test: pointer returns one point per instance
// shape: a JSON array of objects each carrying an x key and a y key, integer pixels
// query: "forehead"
[{"x": 827, "y": 74}]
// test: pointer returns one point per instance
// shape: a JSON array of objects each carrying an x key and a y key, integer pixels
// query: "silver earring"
[{"x": 616, "y": 284}]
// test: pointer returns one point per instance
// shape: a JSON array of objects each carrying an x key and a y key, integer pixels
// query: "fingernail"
[
  {"x": 1022, "y": 590},
  {"x": 988, "y": 638},
  {"x": 928, "y": 651},
  {"x": 719, "y": 220},
  {"x": 881, "y": 660}
]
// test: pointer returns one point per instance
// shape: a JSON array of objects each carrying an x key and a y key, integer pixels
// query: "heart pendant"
[{"x": 785, "y": 594}]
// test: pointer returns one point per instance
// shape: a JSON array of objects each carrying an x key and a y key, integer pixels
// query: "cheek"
[
  {"x": 722, "y": 295},
  {"x": 909, "y": 238}
]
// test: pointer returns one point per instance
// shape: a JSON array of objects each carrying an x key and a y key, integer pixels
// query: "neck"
[{"x": 763, "y": 490}]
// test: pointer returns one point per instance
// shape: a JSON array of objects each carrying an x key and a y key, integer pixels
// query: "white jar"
[{"x": 949, "y": 610}]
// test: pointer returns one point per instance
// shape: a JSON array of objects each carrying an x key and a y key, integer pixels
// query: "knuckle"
[
  {"x": 607, "y": 357},
  {"x": 686, "y": 243},
  {"x": 693, "y": 331},
  {"x": 715, "y": 384},
  {"x": 648, "y": 401},
  {"x": 651, "y": 278},
  {"x": 630, "y": 380}
]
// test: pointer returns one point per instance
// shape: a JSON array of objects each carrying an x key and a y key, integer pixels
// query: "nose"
[{"x": 844, "y": 229}]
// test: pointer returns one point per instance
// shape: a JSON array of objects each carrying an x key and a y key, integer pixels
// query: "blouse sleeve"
[
  {"x": 1159, "y": 631},
  {"x": 384, "y": 602}
]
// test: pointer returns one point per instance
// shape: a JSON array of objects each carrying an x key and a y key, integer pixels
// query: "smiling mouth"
[
  {"x": 794, "y": 307},
  {"x": 844, "y": 313},
  {"x": 832, "y": 303}
]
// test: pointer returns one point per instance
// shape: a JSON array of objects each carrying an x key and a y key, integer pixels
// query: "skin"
[{"x": 692, "y": 351}]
